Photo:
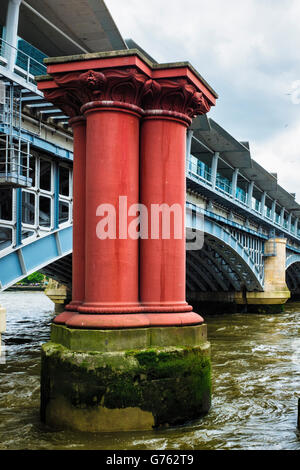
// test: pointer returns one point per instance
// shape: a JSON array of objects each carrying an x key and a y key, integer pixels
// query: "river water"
[{"x": 256, "y": 385}]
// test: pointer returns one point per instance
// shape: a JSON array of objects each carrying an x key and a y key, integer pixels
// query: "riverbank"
[{"x": 26, "y": 289}]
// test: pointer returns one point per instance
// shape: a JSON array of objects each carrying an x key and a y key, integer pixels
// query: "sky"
[{"x": 248, "y": 51}]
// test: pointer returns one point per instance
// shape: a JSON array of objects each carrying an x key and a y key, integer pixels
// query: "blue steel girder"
[
  {"x": 293, "y": 271},
  {"x": 34, "y": 256},
  {"x": 229, "y": 249},
  {"x": 292, "y": 259}
]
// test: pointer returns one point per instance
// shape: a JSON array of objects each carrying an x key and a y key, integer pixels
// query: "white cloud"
[
  {"x": 247, "y": 50},
  {"x": 282, "y": 152}
]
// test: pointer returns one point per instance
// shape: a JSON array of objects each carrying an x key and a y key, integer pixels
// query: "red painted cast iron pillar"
[
  {"x": 77, "y": 121},
  {"x": 137, "y": 115},
  {"x": 112, "y": 173},
  {"x": 79, "y": 190},
  {"x": 162, "y": 260}
]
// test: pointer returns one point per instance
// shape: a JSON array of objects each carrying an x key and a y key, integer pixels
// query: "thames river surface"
[{"x": 256, "y": 385}]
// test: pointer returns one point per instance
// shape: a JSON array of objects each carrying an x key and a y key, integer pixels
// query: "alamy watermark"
[{"x": 161, "y": 222}]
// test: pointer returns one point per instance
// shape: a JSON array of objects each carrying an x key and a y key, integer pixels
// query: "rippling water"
[{"x": 256, "y": 370}]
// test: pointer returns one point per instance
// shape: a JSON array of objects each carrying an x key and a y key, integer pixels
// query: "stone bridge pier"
[
  {"x": 276, "y": 292},
  {"x": 128, "y": 353}
]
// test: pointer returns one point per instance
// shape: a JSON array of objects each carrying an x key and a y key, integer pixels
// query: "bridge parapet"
[{"x": 223, "y": 171}]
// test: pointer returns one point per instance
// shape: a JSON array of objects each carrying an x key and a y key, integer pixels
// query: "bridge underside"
[
  {"x": 293, "y": 279},
  {"x": 213, "y": 273},
  {"x": 218, "y": 268},
  {"x": 60, "y": 270}
]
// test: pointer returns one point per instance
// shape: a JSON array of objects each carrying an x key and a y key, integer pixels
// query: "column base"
[
  {"x": 64, "y": 317},
  {"x": 73, "y": 306},
  {"x": 129, "y": 320},
  {"x": 125, "y": 380}
]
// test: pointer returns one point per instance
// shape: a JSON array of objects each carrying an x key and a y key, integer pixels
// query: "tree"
[{"x": 34, "y": 278}]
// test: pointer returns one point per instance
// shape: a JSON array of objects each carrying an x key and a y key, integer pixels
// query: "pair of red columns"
[{"x": 129, "y": 149}]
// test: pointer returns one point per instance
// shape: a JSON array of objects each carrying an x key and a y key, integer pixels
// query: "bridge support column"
[
  {"x": 112, "y": 182},
  {"x": 276, "y": 292},
  {"x": 135, "y": 356},
  {"x": 79, "y": 201},
  {"x": 11, "y": 33},
  {"x": 163, "y": 193}
]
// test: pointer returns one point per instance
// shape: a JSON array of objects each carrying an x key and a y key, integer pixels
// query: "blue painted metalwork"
[
  {"x": 18, "y": 217},
  {"x": 56, "y": 196},
  {"x": 32, "y": 257},
  {"x": 237, "y": 255},
  {"x": 201, "y": 183},
  {"x": 292, "y": 259},
  {"x": 42, "y": 144}
]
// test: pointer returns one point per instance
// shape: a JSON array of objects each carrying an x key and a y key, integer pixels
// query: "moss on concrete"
[
  {"x": 122, "y": 340},
  {"x": 173, "y": 385}
]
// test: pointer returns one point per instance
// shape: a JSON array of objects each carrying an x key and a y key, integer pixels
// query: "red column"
[
  {"x": 71, "y": 107},
  {"x": 163, "y": 181},
  {"x": 131, "y": 283},
  {"x": 78, "y": 258},
  {"x": 112, "y": 267}
]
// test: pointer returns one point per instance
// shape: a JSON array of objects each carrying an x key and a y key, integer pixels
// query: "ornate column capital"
[
  {"x": 64, "y": 100},
  {"x": 127, "y": 79},
  {"x": 111, "y": 87},
  {"x": 177, "y": 98}
]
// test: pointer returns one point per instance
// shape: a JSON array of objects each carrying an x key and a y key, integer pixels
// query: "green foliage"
[{"x": 34, "y": 278}]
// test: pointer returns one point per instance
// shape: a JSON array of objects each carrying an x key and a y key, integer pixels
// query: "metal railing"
[
  {"x": 15, "y": 162},
  {"x": 22, "y": 64},
  {"x": 224, "y": 186},
  {"x": 32, "y": 212},
  {"x": 199, "y": 172},
  {"x": 241, "y": 196},
  {"x": 14, "y": 148}
]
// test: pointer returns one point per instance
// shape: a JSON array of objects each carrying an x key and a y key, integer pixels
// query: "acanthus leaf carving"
[
  {"x": 130, "y": 86},
  {"x": 63, "y": 100},
  {"x": 111, "y": 85},
  {"x": 174, "y": 95}
]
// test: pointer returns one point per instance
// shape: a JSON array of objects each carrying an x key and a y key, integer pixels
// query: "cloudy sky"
[{"x": 248, "y": 51}]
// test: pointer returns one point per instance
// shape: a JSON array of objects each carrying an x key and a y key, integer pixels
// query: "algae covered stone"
[{"x": 126, "y": 390}]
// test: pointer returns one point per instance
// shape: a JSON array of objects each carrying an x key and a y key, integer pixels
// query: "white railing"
[
  {"x": 22, "y": 64},
  {"x": 15, "y": 162}
]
